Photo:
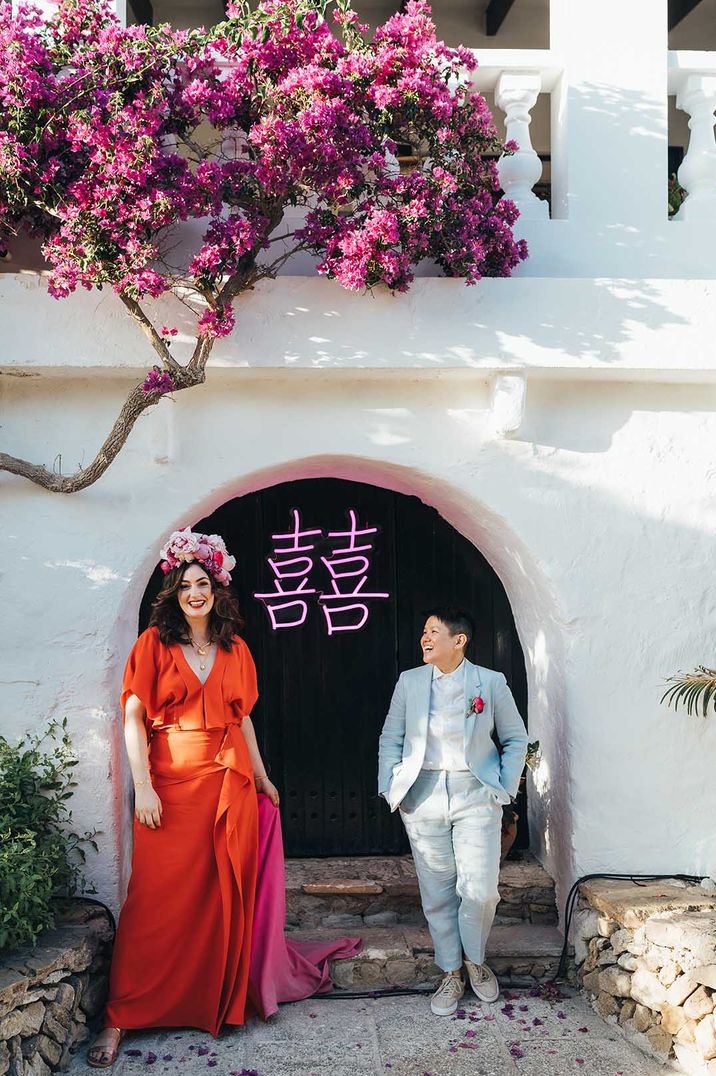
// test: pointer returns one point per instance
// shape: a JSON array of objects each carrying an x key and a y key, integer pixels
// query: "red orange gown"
[{"x": 183, "y": 946}]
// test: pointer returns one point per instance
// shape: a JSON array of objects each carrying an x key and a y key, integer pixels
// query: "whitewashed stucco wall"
[{"x": 598, "y": 516}]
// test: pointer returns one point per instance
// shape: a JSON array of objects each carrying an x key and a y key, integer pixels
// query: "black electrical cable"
[
  {"x": 406, "y": 991},
  {"x": 390, "y": 992},
  {"x": 638, "y": 879}
]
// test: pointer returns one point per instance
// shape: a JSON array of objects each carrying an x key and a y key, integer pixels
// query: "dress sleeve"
[
  {"x": 243, "y": 689},
  {"x": 141, "y": 672}
]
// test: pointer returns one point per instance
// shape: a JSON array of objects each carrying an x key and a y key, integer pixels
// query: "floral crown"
[{"x": 209, "y": 550}]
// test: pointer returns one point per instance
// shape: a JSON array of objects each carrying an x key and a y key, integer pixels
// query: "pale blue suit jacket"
[{"x": 404, "y": 737}]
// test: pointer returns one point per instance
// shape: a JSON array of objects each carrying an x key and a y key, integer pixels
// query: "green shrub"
[{"x": 40, "y": 856}]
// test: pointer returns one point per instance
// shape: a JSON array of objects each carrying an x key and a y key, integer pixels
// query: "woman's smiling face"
[{"x": 196, "y": 594}]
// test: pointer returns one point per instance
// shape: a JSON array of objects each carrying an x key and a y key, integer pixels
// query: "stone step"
[
  {"x": 379, "y": 891},
  {"x": 402, "y": 955}
]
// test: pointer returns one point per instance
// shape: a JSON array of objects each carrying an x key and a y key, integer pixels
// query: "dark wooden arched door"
[{"x": 325, "y": 678}]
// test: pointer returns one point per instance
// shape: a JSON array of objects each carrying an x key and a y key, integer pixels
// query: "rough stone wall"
[
  {"x": 650, "y": 967},
  {"x": 49, "y": 994}
]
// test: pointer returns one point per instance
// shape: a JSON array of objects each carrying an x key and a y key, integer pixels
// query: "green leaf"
[{"x": 40, "y": 853}]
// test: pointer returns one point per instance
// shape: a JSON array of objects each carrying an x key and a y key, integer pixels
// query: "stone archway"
[
  {"x": 334, "y": 578},
  {"x": 528, "y": 591}
]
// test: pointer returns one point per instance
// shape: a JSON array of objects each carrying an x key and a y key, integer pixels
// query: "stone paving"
[{"x": 550, "y": 1033}]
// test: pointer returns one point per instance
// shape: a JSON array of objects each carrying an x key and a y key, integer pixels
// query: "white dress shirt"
[{"x": 445, "y": 747}]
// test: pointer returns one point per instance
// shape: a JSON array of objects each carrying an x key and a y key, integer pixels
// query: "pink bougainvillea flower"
[
  {"x": 94, "y": 116},
  {"x": 158, "y": 381},
  {"x": 148, "y": 160}
]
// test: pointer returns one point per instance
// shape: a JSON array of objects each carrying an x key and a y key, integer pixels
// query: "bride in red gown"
[{"x": 200, "y": 939}]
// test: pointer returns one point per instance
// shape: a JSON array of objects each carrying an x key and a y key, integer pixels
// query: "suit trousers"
[{"x": 453, "y": 823}]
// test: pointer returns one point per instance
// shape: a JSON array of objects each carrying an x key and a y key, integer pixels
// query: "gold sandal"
[{"x": 104, "y": 1057}]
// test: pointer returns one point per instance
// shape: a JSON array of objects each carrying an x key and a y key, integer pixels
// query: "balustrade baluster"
[
  {"x": 516, "y": 95},
  {"x": 697, "y": 174}
]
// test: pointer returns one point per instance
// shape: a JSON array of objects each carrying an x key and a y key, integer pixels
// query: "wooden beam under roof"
[
  {"x": 496, "y": 13},
  {"x": 679, "y": 9},
  {"x": 142, "y": 11}
]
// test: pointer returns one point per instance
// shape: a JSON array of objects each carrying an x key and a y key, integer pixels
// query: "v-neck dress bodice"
[{"x": 161, "y": 677}]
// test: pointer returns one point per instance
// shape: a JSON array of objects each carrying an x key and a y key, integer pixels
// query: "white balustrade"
[
  {"x": 516, "y": 78},
  {"x": 695, "y": 91},
  {"x": 516, "y": 95}
]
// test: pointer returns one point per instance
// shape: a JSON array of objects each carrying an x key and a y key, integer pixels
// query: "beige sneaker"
[
  {"x": 483, "y": 981},
  {"x": 444, "y": 1000}
]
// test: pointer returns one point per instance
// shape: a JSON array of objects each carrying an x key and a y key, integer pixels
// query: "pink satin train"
[{"x": 282, "y": 970}]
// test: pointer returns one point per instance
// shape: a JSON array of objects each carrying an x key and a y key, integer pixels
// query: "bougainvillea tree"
[{"x": 116, "y": 143}]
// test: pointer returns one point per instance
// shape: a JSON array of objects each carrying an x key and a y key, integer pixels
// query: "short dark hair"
[{"x": 457, "y": 621}]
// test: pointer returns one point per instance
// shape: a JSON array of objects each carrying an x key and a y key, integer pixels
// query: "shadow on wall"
[
  {"x": 501, "y": 326},
  {"x": 587, "y": 419},
  {"x": 614, "y": 232}
]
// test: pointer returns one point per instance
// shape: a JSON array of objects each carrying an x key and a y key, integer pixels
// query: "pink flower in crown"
[
  {"x": 227, "y": 562},
  {"x": 204, "y": 552},
  {"x": 209, "y": 550},
  {"x": 181, "y": 547}
]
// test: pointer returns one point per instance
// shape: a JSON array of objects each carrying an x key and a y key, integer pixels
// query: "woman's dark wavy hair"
[{"x": 225, "y": 620}]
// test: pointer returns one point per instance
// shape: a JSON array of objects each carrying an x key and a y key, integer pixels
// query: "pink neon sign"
[
  {"x": 287, "y": 569},
  {"x": 344, "y": 604}
]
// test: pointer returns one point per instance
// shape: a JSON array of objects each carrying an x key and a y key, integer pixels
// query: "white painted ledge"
[
  {"x": 509, "y": 399},
  {"x": 658, "y": 329}
]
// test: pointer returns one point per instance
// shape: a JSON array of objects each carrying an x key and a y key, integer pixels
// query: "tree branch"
[
  {"x": 161, "y": 348},
  {"x": 184, "y": 377},
  {"x": 136, "y": 403},
  {"x": 269, "y": 271},
  {"x": 200, "y": 355}
]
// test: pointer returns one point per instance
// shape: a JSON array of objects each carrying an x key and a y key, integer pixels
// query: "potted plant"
[{"x": 510, "y": 813}]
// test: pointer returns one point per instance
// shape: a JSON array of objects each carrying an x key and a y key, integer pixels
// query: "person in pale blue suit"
[{"x": 438, "y": 765}]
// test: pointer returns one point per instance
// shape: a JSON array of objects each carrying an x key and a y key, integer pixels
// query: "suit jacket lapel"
[
  {"x": 473, "y": 688},
  {"x": 422, "y": 687}
]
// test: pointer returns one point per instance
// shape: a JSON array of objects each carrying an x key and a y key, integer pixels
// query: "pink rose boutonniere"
[{"x": 476, "y": 706}]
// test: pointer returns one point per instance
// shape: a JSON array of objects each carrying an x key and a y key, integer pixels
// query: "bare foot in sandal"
[{"x": 103, "y": 1051}]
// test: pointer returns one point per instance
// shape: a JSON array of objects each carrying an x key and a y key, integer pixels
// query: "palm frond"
[{"x": 696, "y": 690}]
